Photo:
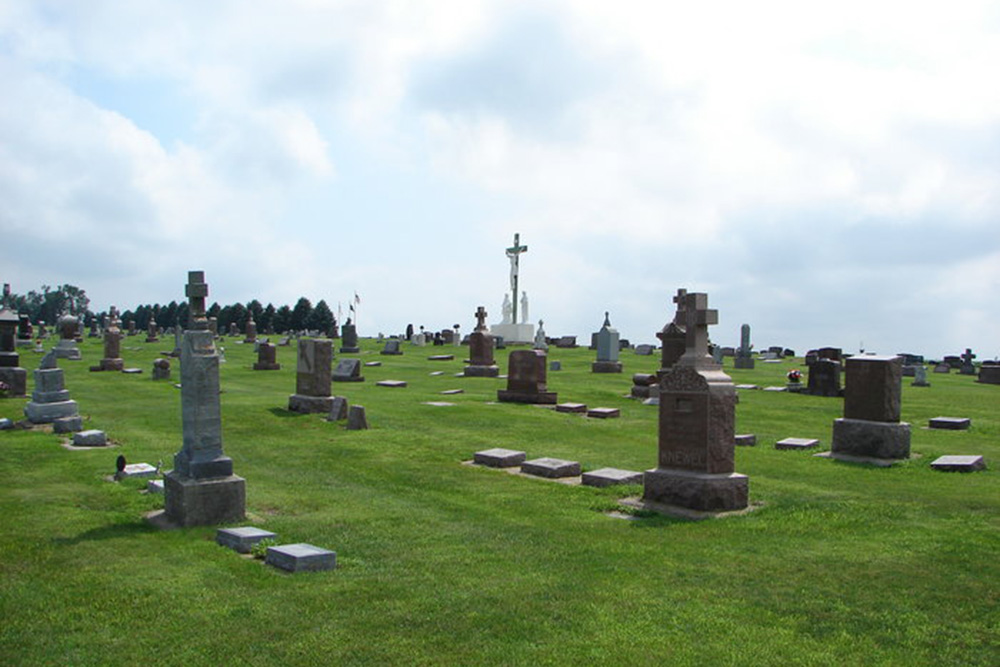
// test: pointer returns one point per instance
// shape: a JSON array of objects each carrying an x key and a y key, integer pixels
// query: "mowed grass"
[{"x": 444, "y": 563}]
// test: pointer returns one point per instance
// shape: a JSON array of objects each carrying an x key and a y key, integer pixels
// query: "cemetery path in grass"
[{"x": 444, "y": 563}]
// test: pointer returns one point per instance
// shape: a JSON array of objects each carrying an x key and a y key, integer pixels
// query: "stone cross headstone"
[
  {"x": 201, "y": 489},
  {"x": 697, "y": 404},
  {"x": 968, "y": 365},
  {"x": 870, "y": 426},
  {"x": 481, "y": 345}
]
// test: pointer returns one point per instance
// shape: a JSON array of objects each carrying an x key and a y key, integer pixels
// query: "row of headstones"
[
  {"x": 297, "y": 557},
  {"x": 553, "y": 468}
]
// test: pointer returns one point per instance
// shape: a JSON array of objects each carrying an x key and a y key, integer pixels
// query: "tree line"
[{"x": 50, "y": 304}]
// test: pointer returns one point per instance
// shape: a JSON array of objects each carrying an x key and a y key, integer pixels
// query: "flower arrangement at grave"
[{"x": 794, "y": 376}]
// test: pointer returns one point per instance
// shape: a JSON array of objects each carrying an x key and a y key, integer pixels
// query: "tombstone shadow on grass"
[
  {"x": 285, "y": 413},
  {"x": 113, "y": 531}
]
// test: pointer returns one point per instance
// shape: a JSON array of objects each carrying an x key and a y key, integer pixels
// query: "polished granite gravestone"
[
  {"x": 312, "y": 377},
  {"x": 243, "y": 539},
  {"x": 526, "y": 379},
  {"x": 349, "y": 338},
  {"x": 348, "y": 370},
  {"x": 301, "y": 557},
  {"x": 498, "y": 457},
  {"x": 870, "y": 426},
  {"x": 201, "y": 489}
]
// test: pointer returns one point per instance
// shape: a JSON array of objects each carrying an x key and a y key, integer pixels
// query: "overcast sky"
[{"x": 828, "y": 172}]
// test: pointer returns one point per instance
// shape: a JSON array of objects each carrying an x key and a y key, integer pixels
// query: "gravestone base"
[
  {"x": 309, "y": 404},
  {"x": 606, "y": 367},
  {"x": 16, "y": 378},
  {"x": 743, "y": 362},
  {"x": 350, "y": 350},
  {"x": 537, "y": 398},
  {"x": 880, "y": 440},
  {"x": 482, "y": 371},
  {"x": 705, "y": 492},
  {"x": 203, "y": 502},
  {"x": 67, "y": 352},
  {"x": 266, "y": 366},
  {"x": 44, "y": 413}
]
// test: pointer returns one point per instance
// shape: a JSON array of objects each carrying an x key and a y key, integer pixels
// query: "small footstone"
[
  {"x": 746, "y": 440},
  {"x": 775, "y": 389},
  {"x": 499, "y": 457},
  {"x": 959, "y": 463},
  {"x": 441, "y": 357},
  {"x": 131, "y": 371},
  {"x": 67, "y": 424},
  {"x": 6, "y": 424},
  {"x": 797, "y": 443},
  {"x": 950, "y": 423},
  {"x": 451, "y": 392},
  {"x": 373, "y": 363},
  {"x": 242, "y": 539},
  {"x": 610, "y": 477},
  {"x": 338, "y": 409},
  {"x": 439, "y": 404},
  {"x": 301, "y": 558},
  {"x": 390, "y": 383},
  {"x": 555, "y": 365},
  {"x": 137, "y": 471},
  {"x": 604, "y": 413},
  {"x": 551, "y": 468},
  {"x": 748, "y": 386},
  {"x": 356, "y": 419},
  {"x": 436, "y": 373},
  {"x": 91, "y": 438},
  {"x": 571, "y": 407},
  {"x": 154, "y": 486}
]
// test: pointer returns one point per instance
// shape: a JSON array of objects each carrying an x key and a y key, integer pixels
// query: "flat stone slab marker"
[
  {"x": 441, "y": 357},
  {"x": 551, "y": 468},
  {"x": 571, "y": 407},
  {"x": 242, "y": 539},
  {"x": 138, "y": 471},
  {"x": 498, "y": 457},
  {"x": 90, "y": 438},
  {"x": 391, "y": 383},
  {"x": 301, "y": 557},
  {"x": 797, "y": 443},
  {"x": 959, "y": 463},
  {"x": 604, "y": 413},
  {"x": 950, "y": 423},
  {"x": 610, "y": 477},
  {"x": 746, "y": 440}
]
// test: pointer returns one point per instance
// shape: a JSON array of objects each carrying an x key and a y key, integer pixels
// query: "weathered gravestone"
[
  {"x": 267, "y": 358},
  {"x": 251, "y": 332},
  {"x": 744, "y": 354},
  {"x": 870, "y": 426},
  {"x": 824, "y": 378},
  {"x": 161, "y": 369},
  {"x": 607, "y": 349},
  {"x": 989, "y": 373},
  {"x": 696, "y": 460},
  {"x": 152, "y": 332},
  {"x": 201, "y": 489},
  {"x": 11, "y": 373},
  {"x": 968, "y": 366},
  {"x": 392, "y": 348},
  {"x": 942, "y": 368},
  {"x": 920, "y": 376},
  {"x": 50, "y": 400},
  {"x": 349, "y": 338},
  {"x": 526, "y": 379},
  {"x": 312, "y": 377},
  {"x": 348, "y": 370},
  {"x": 66, "y": 347},
  {"x": 481, "y": 362},
  {"x": 112, "y": 360}
]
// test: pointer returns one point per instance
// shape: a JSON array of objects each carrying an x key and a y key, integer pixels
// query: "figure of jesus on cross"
[{"x": 512, "y": 254}]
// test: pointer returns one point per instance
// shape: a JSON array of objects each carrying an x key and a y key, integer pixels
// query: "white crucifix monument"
[{"x": 515, "y": 329}]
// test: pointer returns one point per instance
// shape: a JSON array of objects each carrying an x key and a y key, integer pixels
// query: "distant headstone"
[
  {"x": 356, "y": 418},
  {"x": 526, "y": 379},
  {"x": 824, "y": 378},
  {"x": 161, "y": 369},
  {"x": 481, "y": 342},
  {"x": 942, "y": 368},
  {"x": 744, "y": 354},
  {"x": 152, "y": 332},
  {"x": 66, "y": 348},
  {"x": 566, "y": 342},
  {"x": 870, "y": 426},
  {"x": 267, "y": 358},
  {"x": 989, "y": 373},
  {"x": 540, "y": 341},
  {"x": 968, "y": 366},
  {"x": 392, "y": 347},
  {"x": 349, "y": 338},
  {"x": 920, "y": 376},
  {"x": 11, "y": 373},
  {"x": 312, "y": 377},
  {"x": 338, "y": 409},
  {"x": 644, "y": 350},
  {"x": 607, "y": 349},
  {"x": 50, "y": 400},
  {"x": 251, "y": 332},
  {"x": 348, "y": 370}
]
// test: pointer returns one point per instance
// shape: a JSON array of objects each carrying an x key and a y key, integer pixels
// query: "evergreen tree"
[
  {"x": 283, "y": 319},
  {"x": 321, "y": 317},
  {"x": 300, "y": 314}
]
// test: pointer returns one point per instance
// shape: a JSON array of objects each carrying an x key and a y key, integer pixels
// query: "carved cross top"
[
  {"x": 680, "y": 299},
  {"x": 480, "y": 319},
  {"x": 196, "y": 290},
  {"x": 697, "y": 318}
]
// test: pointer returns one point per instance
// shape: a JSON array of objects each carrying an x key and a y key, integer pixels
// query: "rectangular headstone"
[
  {"x": 348, "y": 370},
  {"x": 499, "y": 457},
  {"x": 571, "y": 407},
  {"x": 604, "y": 413}
]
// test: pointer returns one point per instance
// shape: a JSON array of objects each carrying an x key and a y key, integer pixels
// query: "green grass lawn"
[{"x": 443, "y": 563}]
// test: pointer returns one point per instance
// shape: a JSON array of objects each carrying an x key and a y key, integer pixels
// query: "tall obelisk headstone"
[
  {"x": 697, "y": 426},
  {"x": 201, "y": 489}
]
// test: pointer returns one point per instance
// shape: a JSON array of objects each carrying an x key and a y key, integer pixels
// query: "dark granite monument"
[
  {"x": 267, "y": 358},
  {"x": 481, "y": 362},
  {"x": 312, "y": 376},
  {"x": 870, "y": 426},
  {"x": 526, "y": 379},
  {"x": 11, "y": 373}
]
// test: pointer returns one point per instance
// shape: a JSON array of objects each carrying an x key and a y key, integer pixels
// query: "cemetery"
[{"x": 506, "y": 525}]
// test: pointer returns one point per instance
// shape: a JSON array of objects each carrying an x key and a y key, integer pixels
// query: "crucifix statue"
[{"x": 512, "y": 254}]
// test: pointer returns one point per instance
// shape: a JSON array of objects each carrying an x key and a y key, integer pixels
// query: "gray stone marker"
[
  {"x": 959, "y": 463},
  {"x": 267, "y": 358},
  {"x": 604, "y": 413},
  {"x": 697, "y": 403},
  {"x": 154, "y": 486},
  {"x": 451, "y": 392},
  {"x": 481, "y": 345},
  {"x": 66, "y": 347},
  {"x": 824, "y": 378},
  {"x": 373, "y": 364},
  {"x": 243, "y": 539},
  {"x": 498, "y": 457},
  {"x": 338, "y": 409},
  {"x": 870, "y": 426},
  {"x": 201, "y": 489},
  {"x": 312, "y": 377},
  {"x": 391, "y": 348},
  {"x": 356, "y": 418},
  {"x": 610, "y": 477},
  {"x": 950, "y": 423},
  {"x": 67, "y": 424},
  {"x": 349, "y": 338},
  {"x": 138, "y": 471},
  {"x": 989, "y": 373},
  {"x": 301, "y": 557},
  {"x": 348, "y": 370},
  {"x": 920, "y": 376},
  {"x": 441, "y": 357},
  {"x": 90, "y": 438},
  {"x": 553, "y": 365},
  {"x": 6, "y": 424},
  {"x": 571, "y": 407},
  {"x": 50, "y": 400},
  {"x": 161, "y": 369},
  {"x": 744, "y": 354},
  {"x": 644, "y": 350},
  {"x": 797, "y": 443},
  {"x": 551, "y": 468},
  {"x": 942, "y": 368},
  {"x": 607, "y": 349},
  {"x": 746, "y": 440},
  {"x": 396, "y": 384}
]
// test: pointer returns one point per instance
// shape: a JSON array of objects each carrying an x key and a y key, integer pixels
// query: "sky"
[{"x": 829, "y": 173}]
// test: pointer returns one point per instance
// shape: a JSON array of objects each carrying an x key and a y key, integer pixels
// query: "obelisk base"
[
  {"x": 880, "y": 440},
  {"x": 697, "y": 491},
  {"x": 606, "y": 367},
  {"x": 473, "y": 371},
  {"x": 203, "y": 502},
  {"x": 309, "y": 404}
]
